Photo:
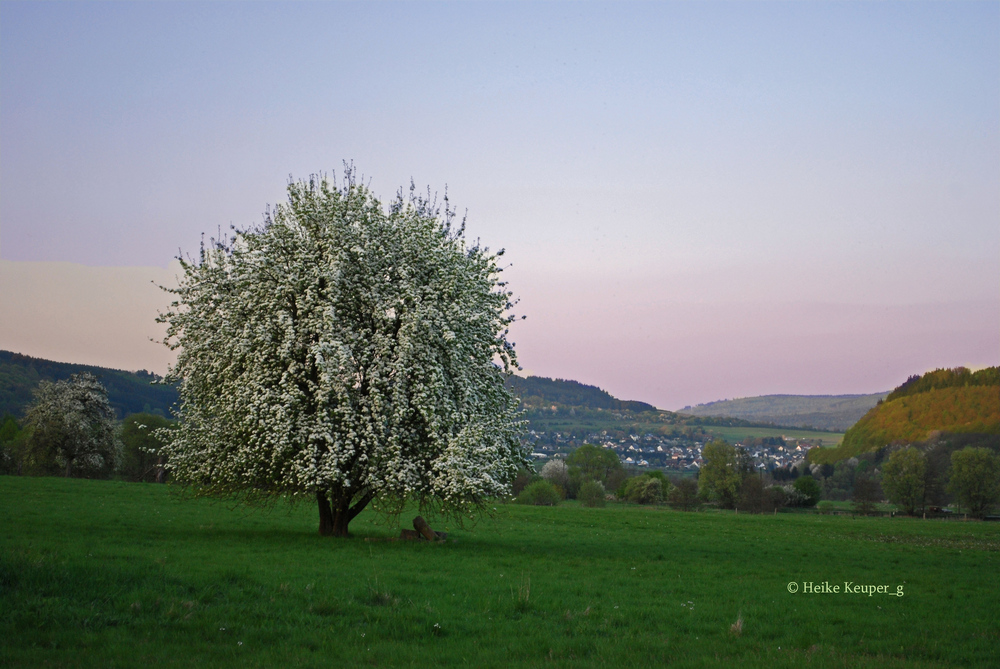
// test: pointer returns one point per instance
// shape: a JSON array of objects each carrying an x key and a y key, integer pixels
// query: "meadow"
[
  {"x": 736, "y": 434},
  {"x": 639, "y": 424},
  {"x": 112, "y": 574}
]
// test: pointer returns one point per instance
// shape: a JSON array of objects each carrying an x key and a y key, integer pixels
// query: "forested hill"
[
  {"x": 953, "y": 401},
  {"x": 133, "y": 392},
  {"x": 128, "y": 392},
  {"x": 826, "y": 412},
  {"x": 536, "y": 392}
]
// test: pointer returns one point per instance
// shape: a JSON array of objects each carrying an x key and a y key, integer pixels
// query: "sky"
[{"x": 698, "y": 201}]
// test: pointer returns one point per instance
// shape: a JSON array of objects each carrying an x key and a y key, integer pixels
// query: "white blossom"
[
  {"x": 74, "y": 426},
  {"x": 345, "y": 351}
]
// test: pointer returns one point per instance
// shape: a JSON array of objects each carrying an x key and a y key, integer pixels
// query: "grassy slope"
[
  {"x": 642, "y": 424},
  {"x": 111, "y": 574},
  {"x": 835, "y": 412},
  {"x": 912, "y": 418},
  {"x": 735, "y": 434}
]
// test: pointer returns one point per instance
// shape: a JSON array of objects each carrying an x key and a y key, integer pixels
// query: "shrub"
[
  {"x": 556, "y": 471},
  {"x": 866, "y": 494},
  {"x": 591, "y": 494},
  {"x": 13, "y": 445},
  {"x": 524, "y": 478},
  {"x": 644, "y": 489},
  {"x": 794, "y": 496},
  {"x": 809, "y": 487},
  {"x": 540, "y": 493},
  {"x": 753, "y": 496},
  {"x": 684, "y": 494},
  {"x": 141, "y": 460}
]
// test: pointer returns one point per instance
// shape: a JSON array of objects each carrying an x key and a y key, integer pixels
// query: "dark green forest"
[
  {"x": 541, "y": 392},
  {"x": 128, "y": 392}
]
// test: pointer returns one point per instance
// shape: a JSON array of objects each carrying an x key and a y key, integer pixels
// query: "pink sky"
[
  {"x": 635, "y": 341},
  {"x": 700, "y": 200}
]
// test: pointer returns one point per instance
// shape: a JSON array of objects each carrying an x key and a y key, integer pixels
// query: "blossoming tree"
[
  {"x": 345, "y": 351},
  {"x": 73, "y": 426}
]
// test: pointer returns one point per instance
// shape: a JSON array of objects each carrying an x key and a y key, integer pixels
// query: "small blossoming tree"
[
  {"x": 346, "y": 352},
  {"x": 73, "y": 426}
]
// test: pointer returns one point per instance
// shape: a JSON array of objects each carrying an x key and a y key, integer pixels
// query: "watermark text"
[{"x": 845, "y": 588}]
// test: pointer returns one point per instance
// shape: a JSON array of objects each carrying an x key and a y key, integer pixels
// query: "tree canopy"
[
  {"x": 589, "y": 462},
  {"x": 903, "y": 479},
  {"x": 347, "y": 351},
  {"x": 975, "y": 479},
  {"x": 721, "y": 473}
]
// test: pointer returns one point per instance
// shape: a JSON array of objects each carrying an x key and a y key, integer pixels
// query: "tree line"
[
  {"x": 914, "y": 478},
  {"x": 959, "y": 377},
  {"x": 128, "y": 392},
  {"x": 70, "y": 429},
  {"x": 727, "y": 480}
]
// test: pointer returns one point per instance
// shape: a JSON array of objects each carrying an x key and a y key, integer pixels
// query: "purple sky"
[{"x": 700, "y": 200}]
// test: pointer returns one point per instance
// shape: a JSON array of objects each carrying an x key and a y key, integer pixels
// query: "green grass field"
[
  {"x": 735, "y": 434},
  {"x": 565, "y": 423},
  {"x": 108, "y": 574}
]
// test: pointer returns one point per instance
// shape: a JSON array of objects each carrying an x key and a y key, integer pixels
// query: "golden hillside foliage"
[
  {"x": 912, "y": 418},
  {"x": 958, "y": 377}
]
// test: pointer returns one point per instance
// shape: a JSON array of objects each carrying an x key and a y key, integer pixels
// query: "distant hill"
[
  {"x": 128, "y": 392},
  {"x": 575, "y": 410},
  {"x": 826, "y": 412},
  {"x": 538, "y": 392},
  {"x": 952, "y": 401}
]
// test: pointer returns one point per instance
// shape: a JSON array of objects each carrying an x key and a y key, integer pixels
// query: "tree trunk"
[
  {"x": 325, "y": 515},
  {"x": 69, "y": 467},
  {"x": 336, "y": 516},
  {"x": 341, "y": 517},
  {"x": 420, "y": 525}
]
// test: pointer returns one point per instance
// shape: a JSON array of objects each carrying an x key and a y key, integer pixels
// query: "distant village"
[{"x": 678, "y": 453}]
